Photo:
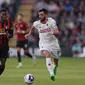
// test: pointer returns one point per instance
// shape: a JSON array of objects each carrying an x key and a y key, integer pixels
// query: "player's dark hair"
[
  {"x": 43, "y": 10},
  {"x": 21, "y": 14},
  {"x": 3, "y": 10}
]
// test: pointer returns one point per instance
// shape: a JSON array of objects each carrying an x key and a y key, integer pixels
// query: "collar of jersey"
[{"x": 44, "y": 22}]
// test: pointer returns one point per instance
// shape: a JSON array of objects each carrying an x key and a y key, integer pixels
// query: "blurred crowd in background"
[
  {"x": 11, "y": 6},
  {"x": 70, "y": 18}
]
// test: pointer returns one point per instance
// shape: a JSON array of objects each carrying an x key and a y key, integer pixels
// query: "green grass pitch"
[{"x": 70, "y": 72}]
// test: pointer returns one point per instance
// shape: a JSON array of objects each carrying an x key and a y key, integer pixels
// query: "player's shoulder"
[
  {"x": 51, "y": 19},
  {"x": 36, "y": 23}
]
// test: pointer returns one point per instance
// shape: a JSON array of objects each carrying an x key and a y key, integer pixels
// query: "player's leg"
[
  {"x": 25, "y": 47},
  {"x": 30, "y": 56},
  {"x": 55, "y": 65},
  {"x": 56, "y": 54},
  {"x": 27, "y": 53},
  {"x": 49, "y": 63},
  {"x": 3, "y": 57},
  {"x": 19, "y": 57},
  {"x": 2, "y": 64}
]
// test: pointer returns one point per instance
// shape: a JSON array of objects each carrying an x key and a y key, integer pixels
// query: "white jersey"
[{"x": 45, "y": 31}]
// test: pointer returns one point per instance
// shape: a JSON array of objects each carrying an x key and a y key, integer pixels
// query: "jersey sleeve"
[
  {"x": 53, "y": 24},
  {"x": 35, "y": 24}
]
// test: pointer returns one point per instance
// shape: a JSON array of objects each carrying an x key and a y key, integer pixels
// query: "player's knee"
[{"x": 46, "y": 53}]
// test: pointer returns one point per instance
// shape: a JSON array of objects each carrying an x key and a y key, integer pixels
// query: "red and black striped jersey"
[
  {"x": 5, "y": 27},
  {"x": 22, "y": 27}
]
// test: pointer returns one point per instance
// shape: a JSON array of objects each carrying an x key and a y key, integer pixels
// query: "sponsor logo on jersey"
[{"x": 45, "y": 30}]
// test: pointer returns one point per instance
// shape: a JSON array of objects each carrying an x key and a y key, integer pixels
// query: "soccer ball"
[{"x": 28, "y": 79}]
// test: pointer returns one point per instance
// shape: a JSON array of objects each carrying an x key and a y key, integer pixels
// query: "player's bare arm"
[
  {"x": 30, "y": 31},
  {"x": 55, "y": 31},
  {"x": 28, "y": 26}
]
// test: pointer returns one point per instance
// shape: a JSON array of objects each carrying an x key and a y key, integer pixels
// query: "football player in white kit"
[{"x": 48, "y": 43}]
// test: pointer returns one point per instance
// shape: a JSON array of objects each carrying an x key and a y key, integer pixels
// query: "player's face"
[
  {"x": 42, "y": 16},
  {"x": 4, "y": 15},
  {"x": 19, "y": 18}
]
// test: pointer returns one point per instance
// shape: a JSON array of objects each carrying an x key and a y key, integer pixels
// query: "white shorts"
[{"x": 53, "y": 49}]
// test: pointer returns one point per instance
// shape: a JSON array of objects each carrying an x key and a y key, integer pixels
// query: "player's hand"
[
  {"x": 23, "y": 32},
  {"x": 18, "y": 31},
  {"x": 7, "y": 34},
  {"x": 26, "y": 36}
]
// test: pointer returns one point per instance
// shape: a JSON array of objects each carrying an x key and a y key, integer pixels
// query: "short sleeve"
[
  {"x": 35, "y": 24},
  {"x": 53, "y": 24}
]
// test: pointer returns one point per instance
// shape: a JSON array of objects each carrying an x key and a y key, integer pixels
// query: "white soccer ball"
[{"x": 29, "y": 79}]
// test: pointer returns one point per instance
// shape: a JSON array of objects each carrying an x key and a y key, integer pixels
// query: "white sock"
[{"x": 49, "y": 66}]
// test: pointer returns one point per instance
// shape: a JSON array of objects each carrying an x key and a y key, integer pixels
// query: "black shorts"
[
  {"x": 4, "y": 51},
  {"x": 22, "y": 44}
]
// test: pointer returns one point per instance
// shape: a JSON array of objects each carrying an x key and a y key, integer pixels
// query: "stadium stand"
[{"x": 70, "y": 18}]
